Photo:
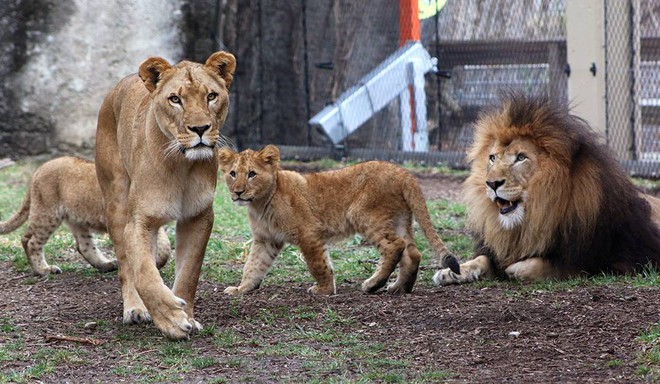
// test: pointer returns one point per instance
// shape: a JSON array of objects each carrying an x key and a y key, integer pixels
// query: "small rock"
[
  {"x": 514, "y": 334},
  {"x": 91, "y": 324}
]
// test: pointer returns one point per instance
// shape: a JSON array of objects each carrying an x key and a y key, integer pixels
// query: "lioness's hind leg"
[
  {"x": 408, "y": 268},
  {"x": 89, "y": 251},
  {"x": 33, "y": 242},
  {"x": 391, "y": 249}
]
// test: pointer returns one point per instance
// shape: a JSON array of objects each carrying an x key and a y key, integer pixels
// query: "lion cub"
[
  {"x": 66, "y": 189},
  {"x": 375, "y": 199}
]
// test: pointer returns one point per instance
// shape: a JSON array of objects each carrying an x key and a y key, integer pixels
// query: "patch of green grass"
[{"x": 648, "y": 359}]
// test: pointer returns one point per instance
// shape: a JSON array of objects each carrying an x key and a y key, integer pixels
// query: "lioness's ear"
[
  {"x": 150, "y": 71},
  {"x": 224, "y": 64},
  {"x": 226, "y": 157},
  {"x": 270, "y": 155}
]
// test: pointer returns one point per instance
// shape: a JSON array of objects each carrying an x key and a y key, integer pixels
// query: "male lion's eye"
[
  {"x": 491, "y": 158},
  {"x": 252, "y": 174},
  {"x": 174, "y": 99},
  {"x": 211, "y": 96},
  {"x": 232, "y": 174},
  {"x": 520, "y": 157}
]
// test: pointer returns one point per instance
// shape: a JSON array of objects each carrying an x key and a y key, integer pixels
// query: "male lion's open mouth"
[{"x": 506, "y": 206}]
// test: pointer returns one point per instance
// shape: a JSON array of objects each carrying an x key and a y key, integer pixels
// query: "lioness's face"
[
  {"x": 510, "y": 168},
  {"x": 250, "y": 175},
  {"x": 191, "y": 102}
]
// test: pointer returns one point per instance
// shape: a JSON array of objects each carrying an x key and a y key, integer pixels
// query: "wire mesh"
[{"x": 328, "y": 46}]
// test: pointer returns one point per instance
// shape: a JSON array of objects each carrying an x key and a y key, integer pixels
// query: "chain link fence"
[{"x": 329, "y": 50}]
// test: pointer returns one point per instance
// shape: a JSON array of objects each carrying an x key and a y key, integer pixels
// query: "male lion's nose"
[
  {"x": 199, "y": 129},
  {"x": 495, "y": 184}
]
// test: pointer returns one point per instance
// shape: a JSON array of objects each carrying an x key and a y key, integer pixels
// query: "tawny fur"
[
  {"x": 66, "y": 189},
  {"x": 547, "y": 200},
  {"x": 156, "y": 161},
  {"x": 375, "y": 199}
]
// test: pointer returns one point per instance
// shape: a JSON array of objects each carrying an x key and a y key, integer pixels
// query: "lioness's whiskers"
[
  {"x": 225, "y": 141},
  {"x": 172, "y": 148}
]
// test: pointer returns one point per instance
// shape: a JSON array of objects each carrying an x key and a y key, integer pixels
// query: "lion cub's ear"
[
  {"x": 270, "y": 155},
  {"x": 224, "y": 64},
  {"x": 150, "y": 71},
  {"x": 226, "y": 158}
]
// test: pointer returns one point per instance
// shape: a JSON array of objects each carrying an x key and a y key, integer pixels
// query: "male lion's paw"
[{"x": 447, "y": 277}]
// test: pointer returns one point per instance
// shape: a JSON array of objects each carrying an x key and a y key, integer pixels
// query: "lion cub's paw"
[
  {"x": 108, "y": 266},
  {"x": 233, "y": 291},
  {"x": 319, "y": 290}
]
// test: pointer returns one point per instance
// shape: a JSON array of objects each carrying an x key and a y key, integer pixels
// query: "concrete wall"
[{"x": 60, "y": 57}]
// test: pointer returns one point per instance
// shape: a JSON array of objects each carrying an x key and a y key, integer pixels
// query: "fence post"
[
  {"x": 585, "y": 52},
  {"x": 412, "y": 102}
]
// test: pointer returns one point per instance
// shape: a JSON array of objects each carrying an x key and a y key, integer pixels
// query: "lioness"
[
  {"x": 375, "y": 199},
  {"x": 66, "y": 189},
  {"x": 156, "y": 161}
]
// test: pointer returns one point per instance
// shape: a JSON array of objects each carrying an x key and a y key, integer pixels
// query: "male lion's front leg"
[
  {"x": 165, "y": 309},
  {"x": 261, "y": 257},
  {"x": 533, "y": 269},
  {"x": 471, "y": 271}
]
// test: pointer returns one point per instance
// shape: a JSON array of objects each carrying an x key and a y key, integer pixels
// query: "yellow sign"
[{"x": 428, "y": 8}]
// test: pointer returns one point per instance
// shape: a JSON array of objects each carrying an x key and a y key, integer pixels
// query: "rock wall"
[{"x": 60, "y": 57}]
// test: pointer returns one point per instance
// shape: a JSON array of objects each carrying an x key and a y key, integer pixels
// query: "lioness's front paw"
[
  {"x": 136, "y": 315},
  {"x": 447, "y": 277},
  {"x": 173, "y": 321}
]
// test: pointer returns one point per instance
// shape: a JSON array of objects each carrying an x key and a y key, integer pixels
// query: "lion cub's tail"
[
  {"x": 19, "y": 217},
  {"x": 417, "y": 204}
]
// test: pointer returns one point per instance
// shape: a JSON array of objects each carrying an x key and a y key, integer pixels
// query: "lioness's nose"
[
  {"x": 199, "y": 129},
  {"x": 495, "y": 184}
]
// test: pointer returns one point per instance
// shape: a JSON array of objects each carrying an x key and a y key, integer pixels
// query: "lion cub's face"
[
  {"x": 250, "y": 175},
  {"x": 509, "y": 170},
  {"x": 191, "y": 102}
]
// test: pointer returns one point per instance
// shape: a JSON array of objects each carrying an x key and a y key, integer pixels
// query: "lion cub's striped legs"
[
  {"x": 87, "y": 248},
  {"x": 261, "y": 257},
  {"x": 391, "y": 248},
  {"x": 320, "y": 266},
  {"x": 33, "y": 241}
]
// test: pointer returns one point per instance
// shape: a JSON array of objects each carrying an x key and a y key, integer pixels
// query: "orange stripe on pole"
[
  {"x": 409, "y": 30},
  {"x": 408, "y": 21}
]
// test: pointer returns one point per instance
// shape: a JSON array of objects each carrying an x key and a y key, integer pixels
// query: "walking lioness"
[
  {"x": 375, "y": 199},
  {"x": 156, "y": 161}
]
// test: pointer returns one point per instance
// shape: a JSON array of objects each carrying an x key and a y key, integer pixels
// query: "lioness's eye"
[
  {"x": 491, "y": 158},
  {"x": 211, "y": 96},
  {"x": 252, "y": 174},
  {"x": 521, "y": 157},
  {"x": 174, "y": 99},
  {"x": 232, "y": 174}
]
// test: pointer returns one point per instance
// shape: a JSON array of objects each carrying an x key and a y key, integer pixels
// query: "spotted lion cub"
[
  {"x": 66, "y": 189},
  {"x": 375, "y": 199}
]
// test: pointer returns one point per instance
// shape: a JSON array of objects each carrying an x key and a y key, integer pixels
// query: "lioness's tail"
[
  {"x": 19, "y": 217},
  {"x": 417, "y": 204}
]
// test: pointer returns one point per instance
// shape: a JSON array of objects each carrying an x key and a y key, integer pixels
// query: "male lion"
[
  {"x": 156, "y": 161},
  {"x": 547, "y": 200},
  {"x": 66, "y": 189},
  {"x": 376, "y": 199}
]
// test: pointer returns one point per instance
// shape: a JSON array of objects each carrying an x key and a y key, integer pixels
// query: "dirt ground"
[{"x": 504, "y": 333}]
